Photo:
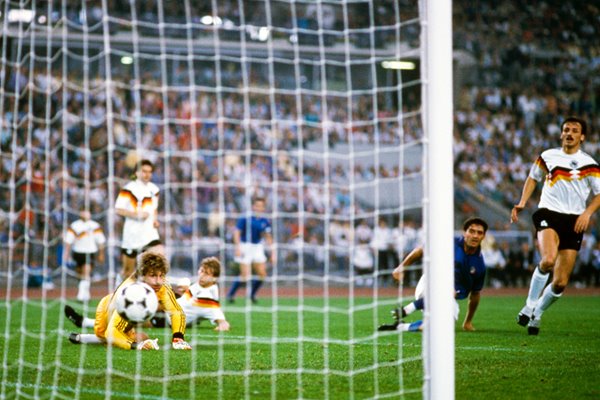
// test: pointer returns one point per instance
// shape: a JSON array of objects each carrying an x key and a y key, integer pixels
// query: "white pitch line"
[{"x": 71, "y": 389}]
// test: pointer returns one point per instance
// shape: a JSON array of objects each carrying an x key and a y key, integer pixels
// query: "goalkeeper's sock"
[
  {"x": 256, "y": 284},
  {"x": 538, "y": 281},
  {"x": 87, "y": 322},
  {"x": 89, "y": 338},
  {"x": 233, "y": 289}
]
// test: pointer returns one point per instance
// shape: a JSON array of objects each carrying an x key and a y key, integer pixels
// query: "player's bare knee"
[{"x": 547, "y": 262}]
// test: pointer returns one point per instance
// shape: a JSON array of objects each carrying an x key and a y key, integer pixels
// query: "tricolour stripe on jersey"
[
  {"x": 203, "y": 302},
  {"x": 561, "y": 173},
  {"x": 541, "y": 163}
]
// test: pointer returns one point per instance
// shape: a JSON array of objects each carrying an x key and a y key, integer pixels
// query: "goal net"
[{"x": 317, "y": 106}]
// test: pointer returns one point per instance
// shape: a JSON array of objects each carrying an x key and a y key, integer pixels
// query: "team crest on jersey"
[
  {"x": 473, "y": 270},
  {"x": 544, "y": 224},
  {"x": 574, "y": 164}
]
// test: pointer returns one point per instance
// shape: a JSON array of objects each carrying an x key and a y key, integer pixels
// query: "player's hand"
[
  {"x": 514, "y": 213},
  {"x": 398, "y": 272},
  {"x": 180, "y": 344},
  {"x": 582, "y": 223},
  {"x": 222, "y": 326},
  {"x": 148, "y": 344},
  {"x": 468, "y": 326}
]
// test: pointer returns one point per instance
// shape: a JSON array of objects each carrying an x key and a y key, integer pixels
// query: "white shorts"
[
  {"x": 420, "y": 292},
  {"x": 252, "y": 254},
  {"x": 195, "y": 314}
]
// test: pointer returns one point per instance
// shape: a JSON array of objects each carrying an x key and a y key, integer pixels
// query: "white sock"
[
  {"x": 89, "y": 338},
  {"x": 410, "y": 308},
  {"x": 87, "y": 322},
  {"x": 403, "y": 327},
  {"x": 538, "y": 281},
  {"x": 83, "y": 293},
  {"x": 548, "y": 297}
]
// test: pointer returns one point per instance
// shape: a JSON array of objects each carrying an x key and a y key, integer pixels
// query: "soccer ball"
[{"x": 137, "y": 302}]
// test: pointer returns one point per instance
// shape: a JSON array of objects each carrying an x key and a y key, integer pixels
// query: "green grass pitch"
[{"x": 499, "y": 361}]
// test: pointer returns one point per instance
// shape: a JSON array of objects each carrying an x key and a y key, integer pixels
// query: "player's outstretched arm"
[
  {"x": 526, "y": 193},
  {"x": 415, "y": 255},
  {"x": 473, "y": 303}
]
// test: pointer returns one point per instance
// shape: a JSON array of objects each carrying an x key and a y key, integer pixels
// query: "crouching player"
[
  {"x": 469, "y": 277},
  {"x": 110, "y": 328},
  {"x": 200, "y": 300}
]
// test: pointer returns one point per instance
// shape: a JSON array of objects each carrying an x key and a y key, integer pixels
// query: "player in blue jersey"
[
  {"x": 469, "y": 276},
  {"x": 570, "y": 175},
  {"x": 251, "y": 232}
]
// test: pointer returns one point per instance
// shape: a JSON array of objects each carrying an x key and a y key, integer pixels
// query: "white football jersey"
[
  {"x": 85, "y": 236},
  {"x": 201, "y": 303},
  {"x": 137, "y": 196},
  {"x": 569, "y": 179}
]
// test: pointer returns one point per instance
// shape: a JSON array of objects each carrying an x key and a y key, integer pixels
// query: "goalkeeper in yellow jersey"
[{"x": 110, "y": 328}]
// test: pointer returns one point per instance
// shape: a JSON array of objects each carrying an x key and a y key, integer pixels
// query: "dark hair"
[
  {"x": 145, "y": 162},
  {"x": 212, "y": 265},
  {"x": 576, "y": 120},
  {"x": 475, "y": 221},
  {"x": 149, "y": 261}
]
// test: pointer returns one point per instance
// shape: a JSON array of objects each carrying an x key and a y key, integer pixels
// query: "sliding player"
[{"x": 469, "y": 276}]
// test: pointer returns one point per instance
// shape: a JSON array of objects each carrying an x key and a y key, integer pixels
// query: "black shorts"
[
  {"x": 133, "y": 253},
  {"x": 83, "y": 258},
  {"x": 563, "y": 224}
]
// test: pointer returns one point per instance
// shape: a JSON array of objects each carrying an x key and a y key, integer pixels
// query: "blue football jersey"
[
  {"x": 258, "y": 226},
  {"x": 469, "y": 270}
]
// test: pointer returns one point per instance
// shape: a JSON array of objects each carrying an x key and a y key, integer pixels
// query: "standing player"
[
  {"x": 84, "y": 241},
  {"x": 561, "y": 218},
  {"x": 112, "y": 329},
  {"x": 469, "y": 276},
  {"x": 249, "y": 249},
  {"x": 138, "y": 203}
]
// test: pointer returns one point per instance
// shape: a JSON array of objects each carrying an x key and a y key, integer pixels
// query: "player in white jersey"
[
  {"x": 562, "y": 217},
  {"x": 200, "y": 301},
  {"x": 84, "y": 241},
  {"x": 138, "y": 203}
]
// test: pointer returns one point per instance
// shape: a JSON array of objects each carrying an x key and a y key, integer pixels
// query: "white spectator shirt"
[
  {"x": 137, "y": 196},
  {"x": 569, "y": 179},
  {"x": 85, "y": 236}
]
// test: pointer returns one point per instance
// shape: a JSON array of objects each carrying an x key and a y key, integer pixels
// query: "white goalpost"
[
  {"x": 439, "y": 204},
  {"x": 337, "y": 113}
]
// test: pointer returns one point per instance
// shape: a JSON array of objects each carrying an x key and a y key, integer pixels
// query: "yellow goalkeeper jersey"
[{"x": 117, "y": 331}]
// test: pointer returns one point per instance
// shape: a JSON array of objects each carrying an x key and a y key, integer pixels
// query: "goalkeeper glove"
[
  {"x": 148, "y": 344},
  {"x": 180, "y": 344}
]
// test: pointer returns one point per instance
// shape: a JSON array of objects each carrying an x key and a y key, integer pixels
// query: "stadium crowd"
[{"x": 531, "y": 69}]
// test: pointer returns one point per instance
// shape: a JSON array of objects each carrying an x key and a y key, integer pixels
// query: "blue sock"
[
  {"x": 256, "y": 284},
  {"x": 415, "y": 326},
  {"x": 420, "y": 303},
  {"x": 234, "y": 288}
]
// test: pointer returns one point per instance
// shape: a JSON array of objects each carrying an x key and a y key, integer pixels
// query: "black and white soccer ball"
[{"x": 137, "y": 302}]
